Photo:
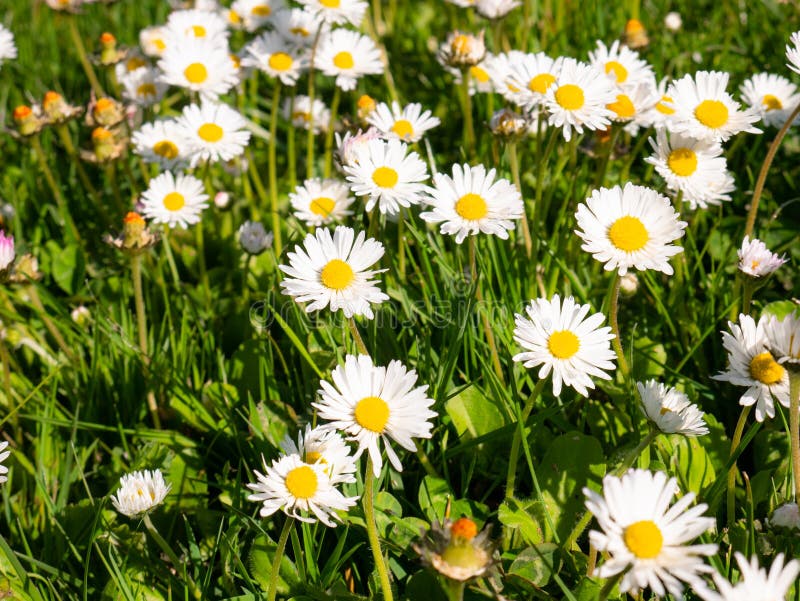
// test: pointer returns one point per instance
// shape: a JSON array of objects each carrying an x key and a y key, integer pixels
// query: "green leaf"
[
  {"x": 693, "y": 466},
  {"x": 473, "y": 414},
  {"x": 534, "y": 564},
  {"x": 68, "y": 266},
  {"x": 525, "y": 516},
  {"x": 780, "y": 309}
]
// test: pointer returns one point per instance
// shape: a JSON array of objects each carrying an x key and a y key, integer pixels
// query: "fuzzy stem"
[
  {"x": 328, "y": 162},
  {"x": 513, "y": 163},
  {"x": 362, "y": 348},
  {"x": 372, "y": 532},
  {"x": 613, "y": 311},
  {"x": 737, "y": 437},
  {"x": 141, "y": 325},
  {"x": 180, "y": 566},
  {"x": 513, "y": 457},
  {"x": 794, "y": 427},
  {"x": 272, "y": 589},
  {"x": 84, "y": 58},
  {"x": 273, "y": 170}
]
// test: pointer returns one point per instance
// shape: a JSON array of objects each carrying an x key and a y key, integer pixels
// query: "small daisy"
[
  {"x": 472, "y": 201},
  {"x": 319, "y": 202},
  {"x": 3, "y": 456},
  {"x": 562, "y": 339},
  {"x": 751, "y": 364},
  {"x": 153, "y": 40},
  {"x": 387, "y": 174},
  {"x": 299, "y": 27},
  {"x": 270, "y": 53},
  {"x": 8, "y": 49},
  {"x": 579, "y": 98},
  {"x": 253, "y": 237},
  {"x": 670, "y": 410},
  {"x": 215, "y": 132},
  {"x": 195, "y": 24},
  {"x": 629, "y": 227},
  {"x": 695, "y": 168},
  {"x": 660, "y": 114},
  {"x": 140, "y": 492},
  {"x": 621, "y": 65},
  {"x": 336, "y": 12},
  {"x": 408, "y": 124},
  {"x": 462, "y": 50},
  {"x": 457, "y": 550},
  {"x": 481, "y": 74},
  {"x": 325, "y": 446},
  {"x": 645, "y": 538},
  {"x": 703, "y": 109},
  {"x": 773, "y": 97},
  {"x": 332, "y": 270},
  {"x": 784, "y": 339},
  {"x": 255, "y": 14},
  {"x": 756, "y": 260},
  {"x": 133, "y": 60},
  {"x": 754, "y": 584},
  {"x": 161, "y": 142},
  {"x": 200, "y": 65},
  {"x": 174, "y": 200},
  {"x": 793, "y": 52},
  {"x": 299, "y": 489},
  {"x": 528, "y": 78},
  {"x": 631, "y": 103},
  {"x": 347, "y": 55},
  {"x": 142, "y": 87},
  {"x": 298, "y": 110},
  {"x": 496, "y": 9},
  {"x": 373, "y": 403}
]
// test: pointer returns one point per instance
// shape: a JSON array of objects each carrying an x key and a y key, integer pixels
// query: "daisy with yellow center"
[
  {"x": 371, "y": 404},
  {"x": 670, "y": 410},
  {"x": 461, "y": 50},
  {"x": 336, "y": 12},
  {"x": 528, "y": 77},
  {"x": 142, "y": 86},
  {"x": 140, "y": 492},
  {"x": 773, "y": 97},
  {"x": 214, "y": 132},
  {"x": 631, "y": 227},
  {"x": 177, "y": 201},
  {"x": 563, "y": 340},
  {"x": 644, "y": 538},
  {"x": 162, "y": 142},
  {"x": 471, "y": 201},
  {"x": 324, "y": 446},
  {"x": 332, "y": 271},
  {"x": 255, "y": 14},
  {"x": 784, "y": 339},
  {"x": 200, "y": 65},
  {"x": 271, "y": 54},
  {"x": 153, "y": 40},
  {"x": 195, "y": 24},
  {"x": 622, "y": 66},
  {"x": 752, "y": 364},
  {"x": 755, "y": 583},
  {"x": 756, "y": 260},
  {"x": 298, "y": 26},
  {"x": 347, "y": 55},
  {"x": 319, "y": 202},
  {"x": 303, "y": 114},
  {"x": 408, "y": 124}
]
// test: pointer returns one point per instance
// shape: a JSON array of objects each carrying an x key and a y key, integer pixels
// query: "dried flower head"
[
  {"x": 456, "y": 549},
  {"x": 28, "y": 120},
  {"x": 635, "y": 35},
  {"x": 135, "y": 237},
  {"x": 57, "y": 110}
]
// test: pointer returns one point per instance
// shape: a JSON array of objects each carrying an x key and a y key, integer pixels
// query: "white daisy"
[
  {"x": 215, "y": 132},
  {"x": 472, "y": 201},
  {"x": 177, "y": 201},
  {"x": 8, "y": 49},
  {"x": 756, "y": 260},
  {"x": 319, "y": 202},
  {"x": 325, "y": 446},
  {"x": 298, "y": 110},
  {"x": 162, "y": 142},
  {"x": 703, "y": 109},
  {"x": 332, "y": 270},
  {"x": 481, "y": 74},
  {"x": 387, "y": 174},
  {"x": 461, "y": 50},
  {"x": 133, "y": 60},
  {"x": 153, "y": 40},
  {"x": 646, "y": 538},
  {"x": 140, "y": 492},
  {"x": 352, "y": 144},
  {"x": 621, "y": 65},
  {"x": 660, "y": 114},
  {"x": 784, "y": 339},
  {"x": 408, "y": 124},
  {"x": 347, "y": 55},
  {"x": 299, "y": 27},
  {"x": 751, "y": 364},
  {"x": 528, "y": 78},
  {"x": 670, "y": 410},
  {"x": 578, "y": 98},
  {"x": 194, "y": 24},
  {"x": 3, "y": 455},
  {"x": 754, "y": 584},
  {"x": 255, "y": 14},
  {"x": 696, "y": 168},
  {"x": 629, "y": 227},
  {"x": 793, "y": 52},
  {"x": 373, "y": 403},
  {"x": 253, "y": 237},
  {"x": 773, "y": 97},
  {"x": 271, "y": 54},
  {"x": 632, "y": 102},
  {"x": 496, "y": 9},
  {"x": 299, "y": 489},
  {"x": 142, "y": 87},
  {"x": 200, "y": 65},
  {"x": 562, "y": 339},
  {"x": 336, "y": 12}
]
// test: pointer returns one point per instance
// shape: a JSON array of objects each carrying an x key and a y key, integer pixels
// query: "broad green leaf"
[
  {"x": 473, "y": 414},
  {"x": 780, "y": 309},
  {"x": 534, "y": 564},
  {"x": 68, "y": 267},
  {"x": 524, "y": 516}
]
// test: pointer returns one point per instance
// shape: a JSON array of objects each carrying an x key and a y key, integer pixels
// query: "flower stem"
[
  {"x": 179, "y": 565},
  {"x": 36, "y": 301},
  {"x": 466, "y": 99},
  {"x": 613, "y": 311},
  {"x": 326, "y": 168},
  {"x": 794, "y": 427},
  {"x": 487, "y": 327},
  {"x": 362, "y": 348},
  {"x": 372, "y": 532},
  {"x": 272, "y": 589},
  {"x": 455, "y": 590},
  {"x": 141, "y": 325},
  {"x": 69, "y": 147},
  {"x": 513, "y": 458},
  {"x": 513, "y": 163},
  {"x": 84, "y": 58},
  {"x": 310, "y": 134},
  {"x": 737, "y": 438},
  {"x": 273, "y": 173},
  {"x": 51, "y": 182},
  {"x": 290, "y": 147}
]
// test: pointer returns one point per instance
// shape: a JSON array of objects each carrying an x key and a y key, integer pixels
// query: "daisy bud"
[
  {"x": 254, "y": 238},
  {"x": 81, "y": 316},
  {"x": 109, "y": 53},
  {"x": 222, "y": 199},
  {"x": 26, "y": 120},
  {"x": 635, "y": 35},
  {"x": 673, "y": 21},
  {"x": 506, "y": 123},
  {"x": 135, "y": 236},
  {"x": 27, "y": 269},
  {"x": 756, "y": 260},
  {"x": 103, "y": 143},
  {"x": 786, "y": 516},
  {"x": 58, "y": 110}
]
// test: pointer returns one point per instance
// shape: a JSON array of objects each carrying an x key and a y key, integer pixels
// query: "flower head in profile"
[
  {"x": 793, "y": 52},
  {"x": 462, "y": 50},
  {"x": 3, "y": 456},
  {"x": 371, "y": 403},
  {"x": 755, "y": 583},
  {"x": 140, "y": 492},
  {"x": 302, "y": 113},
  {"x": 756, "y": 260},
  {"x": 646, "y": 538},
  {"x": 457, "y": 550},
  {"x": 670, "y": 410},
  {"x": 772, "y": 96},
  {"x": 564, "y": 341},
  {"x": 784, "y": 339}
]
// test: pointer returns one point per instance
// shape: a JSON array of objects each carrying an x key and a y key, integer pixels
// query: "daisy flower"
[
  {"x": 299, "y": 489},
  {"x": 756, "y": 260},
  {"x": 140, "y": 492},
  {"x": 336, "y": 12},
  {"x": 271, "y": 54},
  {"x": 462, "y": 50},
  {"x": 480, "y": 75},
  {"x": 325, "y": 446},
  {"x": 153, "y": 40},
  {"x": 632, "y": 102},
  {"x": 751, "y": 364},
  {"x": 195, "y": 24},
  {"x": 621, "y": 65},
  {"x": 8, "y": 49},
  {"x": 660, "y": 114},
  {"x": 174, "y": 200},
  {"x": 254, "y": 14},
  {"x": 496, "y": 9},
  {"x": 299, "y": 111},
  {"x": 695, "y": 168},
  {"x": 408, "y": 124},
  {"x": 162, "y": 142},
  {"x": 644, "y": 537},
  {"x": 578, "y": 98},
  {"x": 563, "y": 340},
  {"x": 670, "y": 410},
  {"x": 754, "y": 584},
  {"x": 629, "y": 227},
  {"x": 784, "y": 339},
  {"x": 200, "y": 65},
  {"x": 371, "y": 404},
  {"x": 528, "y": 78},
  {"x": 319, "y": 202},
  {"x": 298, "y": 26},
  {"x": 215, "y": 132},
  {"x": 773, "y": 97},
  {"x": 3, "y": 456},
  {"x": 347, "y": 55},
  {"x": 472, "y": 201},
  {"x": 351, "y": 145},
  {"x": 704, "y": 110},
  {"x": 142, "y": 87},
  {"x": 387, "y": 174},
  {"x": 793, "y": 52},
  {"x": 332, "y": 270}
]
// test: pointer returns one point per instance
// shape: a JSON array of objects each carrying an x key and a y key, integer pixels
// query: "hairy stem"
[
  {"x": 372, "y": 532},
  {"x": 737, "y": 438}
]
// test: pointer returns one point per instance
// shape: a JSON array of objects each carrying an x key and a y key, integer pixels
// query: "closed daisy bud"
[
  {"x": 81, "y": 316},
  {"x": 365, "y": 104},
  {"x": 105, "y": 146},
  {"x": 756, "y": 260},
  {"x": 673, "y": 21},
  {"x": 508, "y": 125},
  {"x": 140, "y": 492},
  {"x": 135, "y": 237},
  {"x": 110, "y": 54},
  {"x": 786, "y": 516},
  {"x": 457, "y": 550}
]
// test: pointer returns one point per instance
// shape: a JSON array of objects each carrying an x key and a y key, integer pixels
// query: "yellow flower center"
[
  {"x": 210, "y": 132},
  {"x": 196, "y": 73},
  {"x": 461, "y": 44},
  {"x": 479, "y": 73},
  {"x": 301, "y": 482},
  {"x": 280, "y": 61},
  {"x": 563, "y": 344},
  {"x": 644, "y": 539},
  {"x": 765, "y": 369},
  {"x": 343, "y": 60},
  {"x": 314, "y": 457},
  {"x": 569, "y": 97},
  {"x": 372, "y": 413},
  {"x": 166, "y": 149},
  {"x": 385, "y": 177},
  {"x": 664, "y": 108},
  {"x": 664, "y": 411},
  {"x": 322, "y": 206},
  {"x": 174, "y": 201},
  {"x": 471, "y": 207},
  {"x": 234, "y": 17},
  {"x": 628, "y": 234},
  {"x": 261, "y": 10},
  {"x": 199, "y": 31},
  {"x": 134, "y": 63},
  {"x": 771, "y": 103},
  {"x": 541, "y": 82},
  {"x": 623, "y": 107},
  {"x": 403, "y": 128},
  {"x": 159, "y": 44},
  {"x": 336, "y": 275},
  {"x": 300, "y": 31},
  {"x": 330, "y": 3},
  {"x": 463, "y": 556},
  {"x": 620, "y": 72},
  {"x": 146, "y": 89},
  {"x": 301, "y": 115},
  {"x": 682, "y": 162},
  {"x": 712, "y": 113}
]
